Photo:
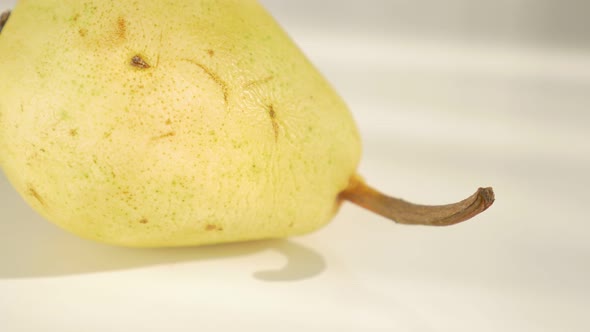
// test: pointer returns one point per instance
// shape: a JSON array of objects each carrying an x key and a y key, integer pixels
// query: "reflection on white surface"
[{"x": 439, "y": 117}]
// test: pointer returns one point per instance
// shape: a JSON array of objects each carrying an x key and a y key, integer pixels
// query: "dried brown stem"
[{"x": 404, "y": 212}]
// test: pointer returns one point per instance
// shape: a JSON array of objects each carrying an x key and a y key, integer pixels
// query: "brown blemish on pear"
[
  {"x": 138, "y": 62},
  {"x": 273, "y": 118},
  {"x": 404, "y": 212},
  {"x": 33, "y": 192},
  {"x": 214, "y": 77},
  {"x": 257, "y": 82},
  {"x": 166, "y": 135},
  {"x": 213, "y": 227},
  {"x": 143, "y": 221},
  {"x": 121, "y": 30}
]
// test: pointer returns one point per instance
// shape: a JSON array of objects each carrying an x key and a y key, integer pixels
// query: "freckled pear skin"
[
  {"x": 179, "y": 122},
  {"x": 169, "y": 123}
]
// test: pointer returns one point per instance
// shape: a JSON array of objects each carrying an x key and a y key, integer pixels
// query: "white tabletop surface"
[{"x": 438, "y": 120}]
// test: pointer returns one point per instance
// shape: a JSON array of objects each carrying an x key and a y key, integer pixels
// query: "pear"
[{"x": 179, "y": 122}]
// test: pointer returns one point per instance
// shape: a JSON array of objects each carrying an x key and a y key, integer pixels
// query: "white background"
[{"x": 447, "y": 97}]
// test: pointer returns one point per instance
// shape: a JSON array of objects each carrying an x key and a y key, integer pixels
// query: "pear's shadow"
[{"x": 30, "y": 247}]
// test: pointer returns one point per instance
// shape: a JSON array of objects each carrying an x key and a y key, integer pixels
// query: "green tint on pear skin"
[{"x": 175, "y": 123}]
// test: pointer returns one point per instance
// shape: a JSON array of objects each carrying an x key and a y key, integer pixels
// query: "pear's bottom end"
[
  {"x": 155, "y": 244},
  {"x": 207, "y": 236}
]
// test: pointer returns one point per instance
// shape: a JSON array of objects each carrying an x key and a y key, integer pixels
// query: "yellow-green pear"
[{"x": 178, "y": 122}]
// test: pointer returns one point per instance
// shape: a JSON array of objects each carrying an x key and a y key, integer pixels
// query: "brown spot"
[
  {"x": 121, "y": 28},
  {"x": 107, "y": 134},
  {"x": 76, "y": 17},
  {"x": 143, "y": 221},
  {"x": 212, "y": 227},
  {"x": 214, "y": 77},
  {"x": 74, "y": 132},
  {"x": 168, "y": 122},
  {"x": 139, "y": 62},
  {"x": 168, "y": 134},
  {"x": 211, "y": 52},
  {"x": 4, "y": 18},
  {"x": 83, "y": 32},
  {"x": 33, "y": 192},
  {"x": 273, "y": 119},
  {"x": 257, "y": 82}
]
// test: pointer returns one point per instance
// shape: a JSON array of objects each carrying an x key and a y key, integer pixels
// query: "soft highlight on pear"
[{"x": 162, "y": 123}]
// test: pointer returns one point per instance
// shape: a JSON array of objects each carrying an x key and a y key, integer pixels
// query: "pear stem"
[
  {"x": 4, "y": 18},
  {"x": 404, "y": 212}
]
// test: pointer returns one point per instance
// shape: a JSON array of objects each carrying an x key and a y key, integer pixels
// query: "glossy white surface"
[{"x": 439, "y": 118}]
